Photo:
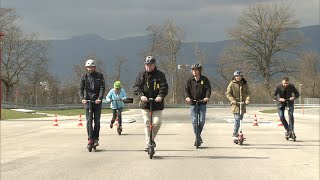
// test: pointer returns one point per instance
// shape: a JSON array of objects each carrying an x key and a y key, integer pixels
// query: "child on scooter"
[
  {"x": 116, "y": 96},
  {"x": 238, "y": 91}
]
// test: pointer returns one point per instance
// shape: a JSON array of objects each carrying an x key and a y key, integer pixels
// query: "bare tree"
[
  {"x": 166, "y": 43},
  {"x": 7, "y": 17},
  {"x": 118, "y": 67},
  {"x": 309, "y": 74},
  {"x": 39, "y": 87},
  {"x": 23, "y": 54},
  {"x": 265, "y": 34}
]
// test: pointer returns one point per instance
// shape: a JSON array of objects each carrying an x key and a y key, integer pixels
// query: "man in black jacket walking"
[
  {"x": 285, "y": 93},
  {"x": 151, "y": 83},
  {"x": 92, "y": 87},
  {"x": 198, "y": 88}
]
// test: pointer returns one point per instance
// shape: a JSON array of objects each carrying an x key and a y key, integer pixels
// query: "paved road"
[{"x": 34, "y": 149}]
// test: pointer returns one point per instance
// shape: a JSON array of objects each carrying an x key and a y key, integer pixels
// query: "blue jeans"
[
  {"x": 202, "y": 108},
  {"x": 284, "y": 122},
  {"x": 237, "y": 118},
  {"x": 96, "y": 113}
]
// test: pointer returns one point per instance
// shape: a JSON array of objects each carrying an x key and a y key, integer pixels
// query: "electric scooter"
[
  {"x": 119, "y": 128},
  {"x": 241, "y": 137},
  {"x": 150, "y": 148},
  {"x": 90, "y": 145},
  {"x": 197, "y": 143},
  {"x": 291, "y": 133}
]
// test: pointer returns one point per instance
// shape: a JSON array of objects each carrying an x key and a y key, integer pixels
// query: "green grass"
[
  {"x": 10, "y": 114},
  {"x": 72, "y": 112}
]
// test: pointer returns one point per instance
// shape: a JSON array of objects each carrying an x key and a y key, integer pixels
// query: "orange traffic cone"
[
  {"x": 279, "y": 122},
  {"x": 255, "y": 122},
  {"x": 55, "y": 122},
  {"x": 80, "y": 121}
]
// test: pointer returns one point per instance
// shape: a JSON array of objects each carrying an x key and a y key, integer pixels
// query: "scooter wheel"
[
  {"x": 197, "y": 144},
  {"x": 294, "y": 137},
  {"x": 151, "y": 152},
  {"x": 89, "y": 147}
]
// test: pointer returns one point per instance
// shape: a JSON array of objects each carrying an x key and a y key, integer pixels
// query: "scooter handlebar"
[
  {"x": 128, "y": 100},
  {"x": 198, "y": 101}
]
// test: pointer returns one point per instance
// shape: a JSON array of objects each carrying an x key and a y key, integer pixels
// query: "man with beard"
[{"x": 284, "y": 94}]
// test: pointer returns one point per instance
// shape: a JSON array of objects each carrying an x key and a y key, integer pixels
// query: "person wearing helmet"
[
  {"x": 116, "y": 96},
  {"x": 198, "y": 88},
  {"x": 284, "y": 94},
  {"x": 151, "y": 83},
  {"x": 238, "y": 91},
  {"x": 92, "y": 87}
]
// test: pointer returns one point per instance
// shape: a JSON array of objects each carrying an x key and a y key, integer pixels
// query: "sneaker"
[
  {"x": 152, "y": 143},
  {"x": 111, "y": 123},
  {"x": 196, "y": 141},
  {"x": 200, "y": 140},
  {"x": 119, "y": 127},
  {"x": 287, "y": 134},
  {"x": 96, "y": 142}
]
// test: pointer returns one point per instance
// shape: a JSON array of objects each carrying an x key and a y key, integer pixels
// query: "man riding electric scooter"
[
  {"x": 91, "y": 90},
  {"x": 116, "y": 96},
  {"x": 151, "y": 83},
  {"x": 284, "y": 94},
  {"x": 198, "y": 91}
]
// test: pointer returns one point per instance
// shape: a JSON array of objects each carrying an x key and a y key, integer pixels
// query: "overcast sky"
[{"x": 201, "y": 20}]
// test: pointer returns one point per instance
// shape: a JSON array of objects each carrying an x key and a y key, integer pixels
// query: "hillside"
[{"x": 63, "y": 54}]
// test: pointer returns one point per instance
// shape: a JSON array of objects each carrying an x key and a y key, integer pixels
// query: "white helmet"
[
  {"x": 90, "y": 62},
  {"x": 150, "y": 60}
]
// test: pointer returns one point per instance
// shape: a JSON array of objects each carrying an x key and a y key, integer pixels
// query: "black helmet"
[
  {"x": 150, "y": 60},
  {"x": 196, "y": 66},
  {"x": 237, "y": 73}
]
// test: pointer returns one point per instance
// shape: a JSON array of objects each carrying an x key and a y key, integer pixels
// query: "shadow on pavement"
[
  {"x": 125, "y": 134},
  {"x": 209, "y": 157},
  {"x": 246, "y": 147}
]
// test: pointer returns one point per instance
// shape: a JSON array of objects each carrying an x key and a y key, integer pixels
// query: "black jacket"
[
  {"x": 92, "y": 86},
  {"x": 198, "y": 90},
  {"x": 151, "y": 85},
  {"x": 286, "y": 93}
]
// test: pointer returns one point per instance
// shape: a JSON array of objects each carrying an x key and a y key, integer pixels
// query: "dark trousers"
[
  {"x": 95, "y": 115},
  {"x": 284, "y": 122},
  {"x": 114, "y": 115}
]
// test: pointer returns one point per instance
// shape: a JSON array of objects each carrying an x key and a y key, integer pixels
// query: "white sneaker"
[{"x": 96, "y": 142}]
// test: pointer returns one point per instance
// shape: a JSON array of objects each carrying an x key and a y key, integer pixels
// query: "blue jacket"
[{"x": 116, "y": 99}]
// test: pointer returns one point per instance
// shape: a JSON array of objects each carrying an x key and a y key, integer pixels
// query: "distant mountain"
[{"x": 64, "y": 54}]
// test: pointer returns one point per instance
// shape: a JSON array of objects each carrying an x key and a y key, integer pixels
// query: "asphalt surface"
[{"x": 34, "y": 149}]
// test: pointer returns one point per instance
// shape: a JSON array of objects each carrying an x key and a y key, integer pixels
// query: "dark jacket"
[
  {"x": 92, "y": 86},
  {"x": 151, "y": 85},
  {"x": 233, "y": 94},
  {"x": 286, "y": 93},
  {"x": 198, "y": 90}
]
